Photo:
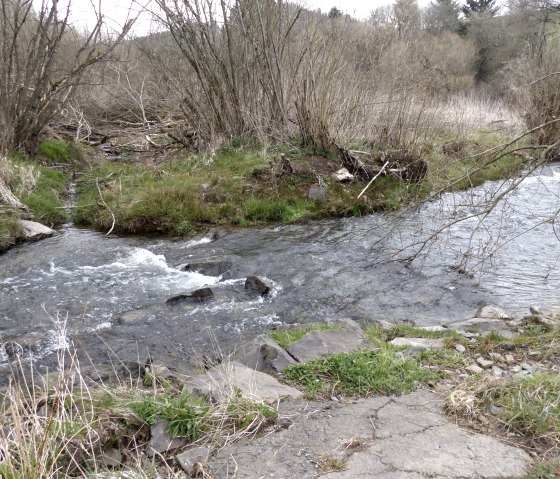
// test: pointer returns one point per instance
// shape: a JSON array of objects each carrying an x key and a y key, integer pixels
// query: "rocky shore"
[{"x": 438, "y": 430}]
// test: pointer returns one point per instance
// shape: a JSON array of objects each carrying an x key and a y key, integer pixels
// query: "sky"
[{"x": 117, "y": 11}]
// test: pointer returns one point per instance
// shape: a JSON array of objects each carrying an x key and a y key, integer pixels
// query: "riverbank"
[
  {"x": 495, "y": 376},
  {"x": 252, "y": 186}
]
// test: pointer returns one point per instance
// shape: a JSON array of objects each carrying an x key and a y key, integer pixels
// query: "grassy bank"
[
  {"x": 39, "y": 183},
  {"x": 241, "y": 185}
]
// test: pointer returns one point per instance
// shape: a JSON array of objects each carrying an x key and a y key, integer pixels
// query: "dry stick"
[
  {"x": 373, "y": 179},
  {"x": 106, "y": 206}
]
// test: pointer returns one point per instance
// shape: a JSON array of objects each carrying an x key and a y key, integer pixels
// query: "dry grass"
[
  {"x": 527, "y": 407},
  {"x": 61, "y": 425}
]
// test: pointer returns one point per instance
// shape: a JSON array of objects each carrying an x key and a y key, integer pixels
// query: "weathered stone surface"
[
  {"x": 161, "y": 441},
  {"x": 460, "y": 348},
  {"x": 223, "y": 268},
  {"x": 484, "y": 363},
  {"x": 33, "y": 231},
  {"x": 264, "y": 355},
  {"x": 220, "y": 382},
  {"x": 545, "y": 312},
  {"x": 319, "y": 343},
  {"x": 197, "y": 296},
  {"x": 474, "y": 369},
  {"x": 188, "y": 459},
  {"x": 342, "y": 176},
  {"x": 484, "y": 325},
  {"x": 405, "y": 437},
  {"x": 416, "y": 345},
  {"x": 491, "y": 312},
  {"x": 318, "y": 193},
  {"x": 254, "y": 284},
  {"x": 111, "y": 457}
]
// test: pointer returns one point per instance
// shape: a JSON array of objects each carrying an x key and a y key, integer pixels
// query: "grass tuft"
[
  {"x": 285, "y": 337},
  {"x": 364, "y": 373}
]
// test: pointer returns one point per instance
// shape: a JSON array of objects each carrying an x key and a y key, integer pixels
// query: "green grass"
[
  {"x": 285, "y": 337},
  {"x": 44, "y": 201},
  {"x": 532, "y": 405},
  {"x": 377, "y": 333},
  {"x": 185, "y": 413},
  {"x": 544, "y": 470},
  {"x": 364, "y": 373},
  {"x": 55, "y": 151},
  {"x": 234, "y": 187},
  {"x": 10, "y": 229}
]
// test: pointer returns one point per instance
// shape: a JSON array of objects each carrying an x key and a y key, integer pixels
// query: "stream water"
[{"x": 81, "y": 286}]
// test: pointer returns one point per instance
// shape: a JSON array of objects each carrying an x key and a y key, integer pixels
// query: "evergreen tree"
[{"x": 487, "y": 7}]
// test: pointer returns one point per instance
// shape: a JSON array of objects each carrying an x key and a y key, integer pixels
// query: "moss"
[{"x": 10, "y": 229}]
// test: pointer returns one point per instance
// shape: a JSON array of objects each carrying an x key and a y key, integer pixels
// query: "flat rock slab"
[
  {"x": 264, "y": 355},
  {"x": 388, "y": 438},
  {"x": 320, "y": 343},
  {"x": 221, "y": 382},
  {"x": 483, "y": 325},
  {"x": 419, "y": 344},
  {"x": 33, "y": 231}
]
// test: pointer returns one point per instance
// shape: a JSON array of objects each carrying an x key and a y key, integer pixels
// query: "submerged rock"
[
  {"x": 254, "y": 284},
  {"x": 197, "y": 296},
  {"x": 223, "y": 268}
]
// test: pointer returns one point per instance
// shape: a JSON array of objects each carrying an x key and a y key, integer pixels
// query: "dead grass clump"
[{"x": 527, "y": 406}]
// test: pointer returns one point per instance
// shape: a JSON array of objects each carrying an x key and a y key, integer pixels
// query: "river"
[{"x": 78, "y": 286}]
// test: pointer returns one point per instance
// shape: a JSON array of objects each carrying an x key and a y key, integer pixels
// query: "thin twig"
[
  {"x": 106, "y": 206},
  {"x": 373, "y": 179}
]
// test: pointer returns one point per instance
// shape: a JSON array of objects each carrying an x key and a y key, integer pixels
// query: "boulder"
[
  {"x": 342, "y": 176},
  {"x": 223, "y": 268},
  {"x": 318, "y": 193},
  {"x": 189, "y": 459},
  {"x": 416, "y": 345},
  {"x": 320, "y": 343},
  {"x": 254, "y": 284},
  {"x": 264, "y": 355},
  {"x": 161, "y": 441},
  {"x": 33, "y": 231},
  {"x": 491, "y": 312},
  {"x": 224, "y": 380},
  {"x": 197, "y": 296},
  {"x": 483, "y": 325}
]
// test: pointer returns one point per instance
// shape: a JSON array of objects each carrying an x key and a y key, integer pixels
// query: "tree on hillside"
[
  {"x": 441, "y": 16},
  {"x": 406, "y": 16},
  {"x": 334, "y": 13},
  {"x": 487, "y": 7}
]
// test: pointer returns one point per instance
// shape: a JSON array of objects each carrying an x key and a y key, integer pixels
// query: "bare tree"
[{"x": 42, "y": 61}]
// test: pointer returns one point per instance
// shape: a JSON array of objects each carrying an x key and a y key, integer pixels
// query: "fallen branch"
[
  {"x": 106, "y": 206},
  {"x": 7, "y": 196},
  {"x": 373, "y": 179}
]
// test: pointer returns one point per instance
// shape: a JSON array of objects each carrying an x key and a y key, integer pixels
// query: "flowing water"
[{"x": 107, "y": 294}]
